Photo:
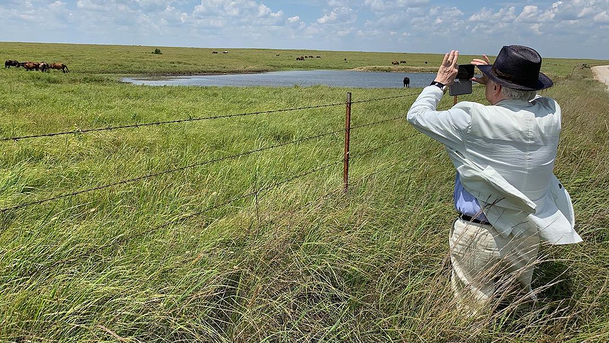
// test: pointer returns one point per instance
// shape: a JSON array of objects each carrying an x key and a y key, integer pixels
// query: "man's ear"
[{"x": 497, "y": 89}]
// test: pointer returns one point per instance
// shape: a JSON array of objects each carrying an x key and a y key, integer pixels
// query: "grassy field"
[
  {"x": 297, "y": 261},
  {"x": 110, "y": 59}
]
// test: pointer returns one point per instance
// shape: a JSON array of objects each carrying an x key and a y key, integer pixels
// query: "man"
[{"x": 506, "y": 194}]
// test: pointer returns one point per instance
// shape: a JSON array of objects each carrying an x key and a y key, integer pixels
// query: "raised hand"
[
  {"x": 485, "y": 61},
  {"x": 448, "y": 69}
]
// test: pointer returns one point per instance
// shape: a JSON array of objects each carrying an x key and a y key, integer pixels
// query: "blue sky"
[{"x": 578, "y": 28}]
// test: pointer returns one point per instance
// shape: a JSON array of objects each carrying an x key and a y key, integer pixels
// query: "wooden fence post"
[{"x": 347, "y": 138}]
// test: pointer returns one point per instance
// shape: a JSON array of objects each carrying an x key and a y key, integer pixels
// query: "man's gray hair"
[{"x": 516, "y": 94}]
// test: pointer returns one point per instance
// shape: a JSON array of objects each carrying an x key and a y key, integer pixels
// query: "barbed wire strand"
[
  {"x": 358, "y": 155},
  {"x": 121, "y": 238},
  {"x": 377, "y": 122},
  {"x": 61, "y": 196},
  {"x": 137, "y": 125},
  {"x": 110, "y": 128},
  {"x": 122, "y": 182},
  {"x": 370, "y": 151},
  {"x": 243, "y": 196},
  {"x": 385, "y": 98},
  {"x": 319, "y": 200}
]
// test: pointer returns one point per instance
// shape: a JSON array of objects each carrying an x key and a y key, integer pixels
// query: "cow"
[
  {"x": 30, "y": 65},
  {"x": 301, "y": 58},
  {"x": 214, "y": 52},
  {"x": 403, "y": 62},
  {"x": 395, "y": 63},
  {"x": 44, "y": 66},
  {"x": 317, "y": 56},
  {"x": 225, "y": 52},
  {"x": 60, "y": 66},
  {"x": 11, "y": 63},
  {"x": 407, "y": 82}
]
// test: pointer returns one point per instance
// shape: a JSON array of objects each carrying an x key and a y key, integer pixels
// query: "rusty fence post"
[{"x": 347, "y": 138}]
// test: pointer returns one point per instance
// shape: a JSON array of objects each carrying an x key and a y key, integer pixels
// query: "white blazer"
[{"x": 505, "y": 157}]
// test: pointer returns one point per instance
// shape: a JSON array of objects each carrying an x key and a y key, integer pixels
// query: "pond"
[{"x": 333, "y": 78}]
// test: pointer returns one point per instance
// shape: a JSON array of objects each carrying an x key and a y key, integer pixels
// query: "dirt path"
[{"x": 601, "y": 73}]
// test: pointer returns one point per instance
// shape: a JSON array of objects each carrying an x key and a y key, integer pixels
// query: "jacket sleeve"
[{"x": 448, "y": 127}]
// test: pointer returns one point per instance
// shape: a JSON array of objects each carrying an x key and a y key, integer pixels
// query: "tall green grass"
[{"x": 299, "y": 262}]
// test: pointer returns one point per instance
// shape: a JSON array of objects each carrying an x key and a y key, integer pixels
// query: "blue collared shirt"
[{"x": 465, "y": 203}]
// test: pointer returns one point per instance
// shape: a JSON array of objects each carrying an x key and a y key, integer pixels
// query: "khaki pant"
[{"x": 485, "y": 263}]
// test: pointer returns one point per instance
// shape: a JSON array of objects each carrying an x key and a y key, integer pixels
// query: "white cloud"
[
  {"x": 558, "y": 16},
  {"x": 338, "y": 15},
  {"x": 530, "y": 14},
  {"x": 338, "y": 3},
  {"x": 236, "y": 13},
  {"x": 382, "y": 6},
  {"x": 489, "y": 16},
  {"x": 232, "y": 8},
  {"x": 602, "y": 17},
  {"x": 535, "y": 28}
]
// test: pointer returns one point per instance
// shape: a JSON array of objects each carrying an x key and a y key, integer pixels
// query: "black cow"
[
  {"x": 11, "y": 63},
  {"x": 407, "y": 82}
]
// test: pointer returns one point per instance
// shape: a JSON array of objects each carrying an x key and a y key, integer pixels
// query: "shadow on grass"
[{"x": 554, "y": 280}]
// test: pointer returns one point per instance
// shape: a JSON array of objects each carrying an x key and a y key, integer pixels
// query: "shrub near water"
[{"x": 301, "y": 262}]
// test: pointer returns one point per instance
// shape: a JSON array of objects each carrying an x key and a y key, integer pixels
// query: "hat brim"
[{"x": 543, "y": 81}]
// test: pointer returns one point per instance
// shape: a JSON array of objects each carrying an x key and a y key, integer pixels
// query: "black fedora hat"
[{"x": 517, "y": 67}]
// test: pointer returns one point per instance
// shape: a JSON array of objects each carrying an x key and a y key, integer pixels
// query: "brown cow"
[
  {"x": 403, "y": 62},
  {"x": 31, "y": 65},
  {"x": 60, "y": 66},
  {"x": 395, "y": 62}
]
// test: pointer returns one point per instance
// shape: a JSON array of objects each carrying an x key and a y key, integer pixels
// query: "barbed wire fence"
[{"x": 255, "y": 193}]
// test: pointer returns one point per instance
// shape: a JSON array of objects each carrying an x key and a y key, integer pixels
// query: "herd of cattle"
[
  {"x": 302, "y": 58},
  {"x": 397, "y": 63},
  {"x": 42, "y": 66}
]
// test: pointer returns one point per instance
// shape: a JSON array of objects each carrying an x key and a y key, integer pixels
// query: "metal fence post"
[{"x": 347, "y": 138}]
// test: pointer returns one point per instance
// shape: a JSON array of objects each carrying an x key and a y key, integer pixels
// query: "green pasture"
[
  {"x": 264, "y": 247},
  {"x": 112, "y": 59}
]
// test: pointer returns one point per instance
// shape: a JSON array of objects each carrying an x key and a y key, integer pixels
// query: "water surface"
[{"x": 333, "y": 78}]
